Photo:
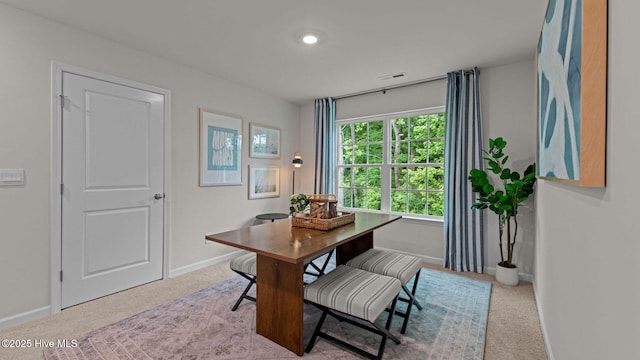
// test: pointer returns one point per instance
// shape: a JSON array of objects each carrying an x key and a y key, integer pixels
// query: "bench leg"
[
  {"x": 316, "y": 332},
  {"x": 412, "y": 294},
  {"x": 412, "y": 301},
  {"x": 320, "y": 270},
  {"x": 252, "y": 280}
]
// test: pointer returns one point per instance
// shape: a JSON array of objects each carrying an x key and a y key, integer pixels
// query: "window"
[{"x": 392, "y": 163}]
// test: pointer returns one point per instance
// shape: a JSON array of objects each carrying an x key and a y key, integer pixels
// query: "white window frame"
[{"x": 385, "y": 167}]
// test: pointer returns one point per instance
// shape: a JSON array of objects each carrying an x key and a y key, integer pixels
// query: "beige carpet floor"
[{"x": 513, "y": 330}]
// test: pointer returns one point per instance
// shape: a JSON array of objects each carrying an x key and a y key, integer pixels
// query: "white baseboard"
[
  {"x": 440, "y": 261},
  {"x": 427, "y": 259},
  {"x": 203, "y": 264},
  {"x": 543, "y": 326},
  {"x": 46, "y": 310},
  {"x": 25, "y": 316},
  {"x": 432, "y": 260}
]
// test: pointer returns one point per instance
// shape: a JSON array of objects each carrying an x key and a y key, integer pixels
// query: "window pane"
[
  {"x": 360, "y": 132},
  {"x": 417, "y": 178},
  {"x": 398, "y": 201},
  {"x": 344, "y": 197},
  {"x": 436, "y": 125},
  {"x": 344, "y": 177},
  {"x": 399, "y": 152},
  {"x": 398, "y": 177},
  {"x": 375, "y": 131},
  {"x": 399, "y": 129},
  {"x": 436, "y": 203},
  {"x": 403, "y": 179},
  {"x": 374, "y": 178},
  {"x": 346, "y": 156},
  {"x": 417, "y": 202},
  {"x": 419, "y": 127},
  {"x": 436, "y": 151},
  {"x": 373, "y": 199},
  {"x": 375, "y": 154},
  {"x": 359, "y": 177},
  {"x": 435, "y": 178},
  {"x": 359, "y": 198},
  {"x": 345, "y": 133},
  {"x": 360, "y": 154},
  {"x": 418, "y": 152},
  {"x": 394, "y": 177}
]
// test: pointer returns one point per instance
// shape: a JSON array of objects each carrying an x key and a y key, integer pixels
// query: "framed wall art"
[
  {"x": 572, "y": 92},
  {"x": 220, "y": 149},
  {"x": 264, "y": 181},
  {"x": 265, "y": 141}
]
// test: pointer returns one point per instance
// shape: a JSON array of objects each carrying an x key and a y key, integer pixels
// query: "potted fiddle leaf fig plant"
[{"x": 503, "y": 199}]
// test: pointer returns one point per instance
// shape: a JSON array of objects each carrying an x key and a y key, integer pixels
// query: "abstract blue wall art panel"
[
  {"x": 572, "y": 92},
  {"x": 559, "y": 91}
]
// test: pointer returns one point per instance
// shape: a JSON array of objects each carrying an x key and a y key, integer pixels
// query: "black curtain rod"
[
  {"x": 383, "y": 90},
  {"x": 391, "y": 87}
]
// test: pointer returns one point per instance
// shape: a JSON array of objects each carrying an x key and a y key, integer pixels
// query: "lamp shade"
[{"x": 297, "y": 159}]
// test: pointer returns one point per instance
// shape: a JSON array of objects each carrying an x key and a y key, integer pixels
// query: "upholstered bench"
[
  {"x": 246, "y": 265},
  {"x": 357, "y": 297},
  {"x": 400, "y": 266}
]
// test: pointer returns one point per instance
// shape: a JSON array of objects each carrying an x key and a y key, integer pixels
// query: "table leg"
[
  {"x": 279, "y": 303},
  {"x": 353, "y": 248}
]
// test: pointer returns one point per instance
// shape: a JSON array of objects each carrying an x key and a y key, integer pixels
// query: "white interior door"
[{"x": 113, "y": 188}]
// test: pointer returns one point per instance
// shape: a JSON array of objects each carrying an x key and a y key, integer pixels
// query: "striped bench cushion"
[
  {"x": 384, "y": 262},
  {"x": 248, "y": 263},
  {"x": 245, "y": 264},
  {"x": 353, "y": 291}
]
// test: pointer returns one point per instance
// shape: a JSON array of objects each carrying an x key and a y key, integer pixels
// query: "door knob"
[{"x": 158, "y": 196}]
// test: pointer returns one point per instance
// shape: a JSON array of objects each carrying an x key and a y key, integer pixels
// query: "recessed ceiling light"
[{"x": 310, "y": 39}]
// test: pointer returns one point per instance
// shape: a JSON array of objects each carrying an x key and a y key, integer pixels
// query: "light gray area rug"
[{"x": 452, "y": 325}]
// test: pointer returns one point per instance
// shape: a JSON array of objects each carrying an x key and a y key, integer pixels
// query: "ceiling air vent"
[{"x": 392, "y": 76}]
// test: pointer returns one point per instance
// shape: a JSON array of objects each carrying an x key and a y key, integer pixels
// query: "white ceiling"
[{"x": 253, "y": 42}]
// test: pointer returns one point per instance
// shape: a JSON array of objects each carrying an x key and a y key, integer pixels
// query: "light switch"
[{"x": 11, "y": 177}]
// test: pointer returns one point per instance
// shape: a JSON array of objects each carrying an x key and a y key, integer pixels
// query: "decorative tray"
[{"x": 323, "y": 224}]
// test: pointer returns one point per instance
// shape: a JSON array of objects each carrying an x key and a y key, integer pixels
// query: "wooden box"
[{"x": 323, "y": 206}]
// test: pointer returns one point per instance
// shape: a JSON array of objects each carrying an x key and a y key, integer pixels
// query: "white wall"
[
  {"x": 507, "y": 110},
  {"x": 29, "y": 44},
  {"x": 586, "y": 272}
]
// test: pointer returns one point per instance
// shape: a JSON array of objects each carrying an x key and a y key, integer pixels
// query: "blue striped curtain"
[
  {"x": 325, "y": 135},
  {"x": 463, "y": 227}
]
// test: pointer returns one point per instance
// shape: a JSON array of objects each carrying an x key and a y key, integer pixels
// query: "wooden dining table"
[{"x": 281, "y": 251}]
